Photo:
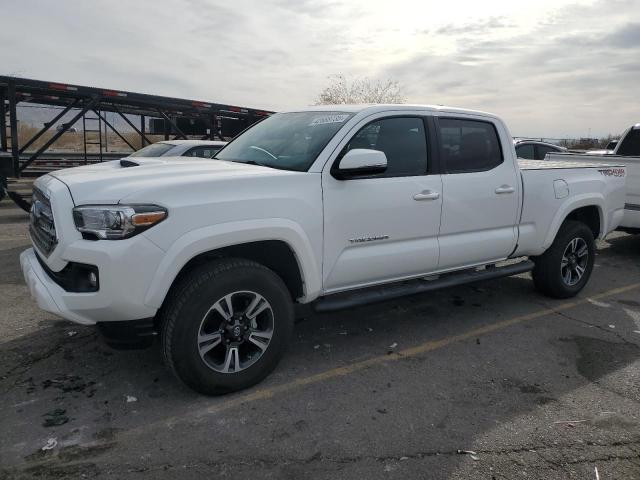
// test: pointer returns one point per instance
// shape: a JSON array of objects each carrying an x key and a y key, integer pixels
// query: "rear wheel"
[
  {"x": 564, "y": 269},
  {"x": 226, "y": 326}
]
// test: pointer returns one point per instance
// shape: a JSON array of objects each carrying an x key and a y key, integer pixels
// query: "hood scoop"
[{"x": 124, "y": 163}]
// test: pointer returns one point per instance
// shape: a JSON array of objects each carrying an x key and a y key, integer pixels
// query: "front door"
[
  {"x": 384, "y": 227},
  {"x": 481, "y": 189}
]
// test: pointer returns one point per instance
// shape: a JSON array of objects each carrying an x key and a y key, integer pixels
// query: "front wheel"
[
  {"x": 226, "y": 325},
  {"x": 564, "y": 269}
]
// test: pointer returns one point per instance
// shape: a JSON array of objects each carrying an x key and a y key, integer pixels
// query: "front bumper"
[
  {"x": 119, "y": 298},
  {"x": 40, "y": 285},
  {"x": 126, "y": 268}
]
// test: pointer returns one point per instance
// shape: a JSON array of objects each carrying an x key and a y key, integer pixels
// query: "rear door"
[{"x": 481, "y": 192}]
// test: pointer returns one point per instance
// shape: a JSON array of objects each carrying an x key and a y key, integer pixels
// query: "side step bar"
[{"x": 366, "y": 296}]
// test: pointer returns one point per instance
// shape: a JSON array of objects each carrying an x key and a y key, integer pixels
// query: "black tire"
[
  {"x": 548, "y": 271},
  {"x": 185, "y": 311}
]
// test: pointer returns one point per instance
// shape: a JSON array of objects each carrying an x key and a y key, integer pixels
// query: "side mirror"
[{"x": 359, "y": 162}]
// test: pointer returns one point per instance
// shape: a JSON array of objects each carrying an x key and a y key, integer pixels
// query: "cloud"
[
  {"x": 474, "y": 28},
  {"x": 556, "y": 79},
  {"x": 626, "y": 37},
  {"x": 550, "y": 67}
]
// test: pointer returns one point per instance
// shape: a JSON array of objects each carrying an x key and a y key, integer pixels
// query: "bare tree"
[{"x": 360, "y": 90}]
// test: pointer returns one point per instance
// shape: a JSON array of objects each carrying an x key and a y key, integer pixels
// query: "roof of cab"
[{"x": 376, "y": 108}]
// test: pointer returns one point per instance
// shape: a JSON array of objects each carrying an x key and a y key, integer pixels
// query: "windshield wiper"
[{"x": 253, "y": 162}]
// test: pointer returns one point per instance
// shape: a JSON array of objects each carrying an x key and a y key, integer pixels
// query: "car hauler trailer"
[{"x": 175, "y": 117}]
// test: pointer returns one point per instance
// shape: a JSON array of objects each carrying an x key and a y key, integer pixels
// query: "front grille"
[{"x": 42, "y": 227}]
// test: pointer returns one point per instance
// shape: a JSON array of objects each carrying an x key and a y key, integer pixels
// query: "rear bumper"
[{"x": 631, "y": 217}]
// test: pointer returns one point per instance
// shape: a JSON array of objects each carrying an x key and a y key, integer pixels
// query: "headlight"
[{"x": 113, "y": 222}]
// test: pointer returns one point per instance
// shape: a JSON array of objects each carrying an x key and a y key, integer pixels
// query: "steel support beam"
[
  {"x": 48, "y": 125},
  {"x": 213, "y": 128},
  {"x": 65, "y": 126},
  {"x": 140, "y": 132},
  {"x": 3, "y": 120},
  {"x": 104, "y": 119},
  {"x": 167, "y": 119},
  {"x": 218, "y": 130},
  {"x": 143, "y": 125},
  {"x": 13, "y": 124}
]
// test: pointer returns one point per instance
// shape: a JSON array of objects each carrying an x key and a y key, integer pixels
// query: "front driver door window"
[{"x": 380, "y": 228}]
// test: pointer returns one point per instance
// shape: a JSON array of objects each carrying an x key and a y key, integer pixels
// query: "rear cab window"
[{"x": 468, "y": 145}]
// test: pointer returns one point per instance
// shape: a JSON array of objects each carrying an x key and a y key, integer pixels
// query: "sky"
[{"x": 549, "y": 68}]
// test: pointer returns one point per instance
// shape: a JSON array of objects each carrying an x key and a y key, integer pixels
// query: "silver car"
[{"x": 181, "y": 148}]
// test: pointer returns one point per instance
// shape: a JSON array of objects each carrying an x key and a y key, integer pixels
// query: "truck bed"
[
  {"x": 561, "y": 163},
  {"x": 551, "y": 186},
  {"x": 631, "y": 220}
]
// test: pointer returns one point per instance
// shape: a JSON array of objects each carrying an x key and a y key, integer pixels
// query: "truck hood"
[{"x": 110, "y": 182}]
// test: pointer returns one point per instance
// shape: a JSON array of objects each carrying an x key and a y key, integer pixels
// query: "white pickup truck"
[
  {"x": 322, "y": 208},
  {"x": 627, "y": 153}
]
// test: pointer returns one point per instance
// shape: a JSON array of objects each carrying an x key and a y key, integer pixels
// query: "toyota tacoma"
[{"x": 316, "y": 209}]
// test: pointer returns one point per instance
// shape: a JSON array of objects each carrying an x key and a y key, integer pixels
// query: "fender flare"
[
  {"x": 573, "y": 203},
  {"x": 222, "y": 235}
]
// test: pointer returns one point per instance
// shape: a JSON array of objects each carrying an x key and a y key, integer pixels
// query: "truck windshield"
[{"x": 288, "y": 141}]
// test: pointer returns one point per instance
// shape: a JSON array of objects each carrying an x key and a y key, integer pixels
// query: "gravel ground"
[{"x": 486, "y": 381}]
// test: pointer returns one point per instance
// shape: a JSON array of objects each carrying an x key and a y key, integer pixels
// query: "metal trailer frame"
[{"x": 82, "y": 99}]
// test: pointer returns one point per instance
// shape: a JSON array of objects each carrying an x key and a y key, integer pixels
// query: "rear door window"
[{"x": 468, "y": 145}]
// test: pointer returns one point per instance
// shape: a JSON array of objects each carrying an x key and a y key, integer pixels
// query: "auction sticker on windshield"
[{"x": 328, "y": 119}]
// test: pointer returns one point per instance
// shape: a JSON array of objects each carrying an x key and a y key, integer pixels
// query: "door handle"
[
  {"x": 426, "y": 195},
  {"x": 505, "y": 189}
]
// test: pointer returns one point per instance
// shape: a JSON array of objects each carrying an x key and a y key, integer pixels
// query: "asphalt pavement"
[{"x": 485, "y": 381}]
